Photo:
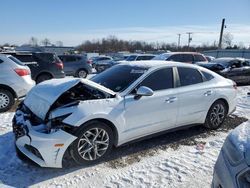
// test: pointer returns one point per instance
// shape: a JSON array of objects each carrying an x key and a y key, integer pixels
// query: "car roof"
[
  {"x": 157, "y": 63},
  {"x": 173, "y": 53}
]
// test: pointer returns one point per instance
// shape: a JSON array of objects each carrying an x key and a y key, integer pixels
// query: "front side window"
[
  {"x": 159, "y": 80},
  {"x": 189, "y": 76}
]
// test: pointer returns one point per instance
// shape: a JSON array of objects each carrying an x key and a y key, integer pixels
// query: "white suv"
[{"x": 15, "y": 81}]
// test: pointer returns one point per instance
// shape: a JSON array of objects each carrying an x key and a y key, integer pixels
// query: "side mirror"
[{"x": 143, "y": 91}]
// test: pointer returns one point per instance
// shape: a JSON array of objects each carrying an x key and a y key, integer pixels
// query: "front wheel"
[
  {"x": 216, "y": 115},
  {"x": 95, "y": 140}
]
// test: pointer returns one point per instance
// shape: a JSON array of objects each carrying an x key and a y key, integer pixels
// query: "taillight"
[
  {"x": 89, "y": 62},
  {"x": 22, "y": 72},
  {"x": 59, "y": 64}
]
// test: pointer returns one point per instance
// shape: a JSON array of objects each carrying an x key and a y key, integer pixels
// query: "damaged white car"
[{"x": 86, "y": 118}]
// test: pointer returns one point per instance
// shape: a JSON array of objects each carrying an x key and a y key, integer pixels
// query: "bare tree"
[
  {"x": 46, "y": 42},
  {"x": 33, "y": 41},
  {"x": 227, "y": 39},
  {"x": 59, "y": 43}
]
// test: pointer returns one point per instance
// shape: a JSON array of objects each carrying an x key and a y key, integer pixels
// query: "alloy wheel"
[
  {"x": 4, "y": 100},
  {"x": 217, "y": 115},
  {"x": 82, "y": 74},
  {"x": 93, "y": 144}
]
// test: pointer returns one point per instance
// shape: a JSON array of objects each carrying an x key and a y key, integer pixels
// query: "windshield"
[
  {"x": 163, "y": 57},
  {"x": 119, "y": 77},
  {"x": 131, "y": 58}
]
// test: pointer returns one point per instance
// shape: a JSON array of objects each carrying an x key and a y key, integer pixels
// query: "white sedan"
[{"x": 86, "y": 118}]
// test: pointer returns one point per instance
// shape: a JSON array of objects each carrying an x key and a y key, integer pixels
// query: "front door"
[{"x": 151, "y": 114}]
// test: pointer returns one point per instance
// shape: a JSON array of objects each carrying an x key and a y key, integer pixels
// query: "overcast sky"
[{"x": 72, "y": 22}]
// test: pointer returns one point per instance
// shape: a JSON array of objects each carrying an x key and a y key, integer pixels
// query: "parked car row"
[{"x": 237, "y": 69}]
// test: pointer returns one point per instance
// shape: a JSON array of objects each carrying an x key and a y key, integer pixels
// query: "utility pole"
[
  {"x": 179, "y": 40},
  {"x": 221, "y": 32},
  {"x": 189, "y": 38}
]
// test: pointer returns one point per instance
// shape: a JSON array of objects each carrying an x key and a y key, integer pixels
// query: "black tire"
[
  {"x": 43, "y": 77},
  {"x": 81, "y": 73},
  {"x": 7, "y": 100},
  {"x": 83, "y": 146},
  {"x": 216, "y": 115}
]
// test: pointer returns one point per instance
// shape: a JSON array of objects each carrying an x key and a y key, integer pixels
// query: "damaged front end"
[{"x": 38, "y": 124}]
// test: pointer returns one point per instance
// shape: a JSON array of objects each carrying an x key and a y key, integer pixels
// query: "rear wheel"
[
  {"x": 43, "y": 77},
  {"x": 6, "y": 100},
  {"x": 95, "y": 140},
  {"x": 82, "y": 73},
  {"x": 216, "y": 115}
]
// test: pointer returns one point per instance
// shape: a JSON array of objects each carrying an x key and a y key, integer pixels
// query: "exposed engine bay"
[{"x": 80, "y": 92}]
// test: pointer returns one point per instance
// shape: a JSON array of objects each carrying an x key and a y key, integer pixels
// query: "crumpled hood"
[{"x": 42, "y": 96}]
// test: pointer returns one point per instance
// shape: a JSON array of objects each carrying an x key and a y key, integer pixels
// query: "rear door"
[
  {"x": 69, "y": 64},
  {"x": 194, "y": 96}
]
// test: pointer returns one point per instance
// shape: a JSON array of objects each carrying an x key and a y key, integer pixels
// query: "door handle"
[
  {"x": 171, "y": 99},
  {"x": 208, "y": 93}
]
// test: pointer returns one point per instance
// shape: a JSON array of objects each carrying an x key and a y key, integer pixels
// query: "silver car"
[{"x": 15, "y": 81}]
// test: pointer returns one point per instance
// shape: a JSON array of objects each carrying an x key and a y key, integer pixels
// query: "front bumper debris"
[{"x": 45, "y": 149}]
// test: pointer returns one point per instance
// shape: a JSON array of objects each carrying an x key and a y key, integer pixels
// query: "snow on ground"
[{"x": 171, "y": 160}]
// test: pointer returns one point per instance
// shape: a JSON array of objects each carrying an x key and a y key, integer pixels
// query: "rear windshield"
[
  {"x": 119, "y": 77},
  {"x": 16, "y": 60},
  {"x": 163, "y": 57}
]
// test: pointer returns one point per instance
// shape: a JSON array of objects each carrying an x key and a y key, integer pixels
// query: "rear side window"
[
  {"x": 159, "y": 80},
  {"x": 207, "y": 75},
  {"x": 198, "y": 58},
  {"x": 177, "y": 57},
  {"x": 189, "y": 76},
  {"x": 45, "y": 57},
  {"x": 25, "y": 58},
  {"x": 70, "y": 58},
  {"x": 188, "y": 58}
]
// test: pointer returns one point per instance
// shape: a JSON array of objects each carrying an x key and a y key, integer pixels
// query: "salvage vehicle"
[
  {"x": 236, "y": 69},
  {"x": 86, "y": 118},
  {"x": 232, "y": 166}
]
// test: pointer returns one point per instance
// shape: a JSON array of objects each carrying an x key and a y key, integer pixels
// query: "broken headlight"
[{"x": 56, "y": 124}]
